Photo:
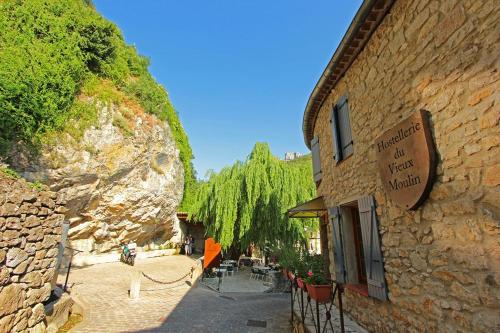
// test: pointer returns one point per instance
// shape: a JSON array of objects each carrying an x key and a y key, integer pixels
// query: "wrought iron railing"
[{"x": 324, "y": 316}]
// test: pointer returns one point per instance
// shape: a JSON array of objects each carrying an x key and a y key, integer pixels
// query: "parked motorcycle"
[{"x": 128, "y": 253}]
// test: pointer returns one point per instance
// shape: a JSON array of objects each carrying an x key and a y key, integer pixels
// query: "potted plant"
[{"x": 318, "y": 286}]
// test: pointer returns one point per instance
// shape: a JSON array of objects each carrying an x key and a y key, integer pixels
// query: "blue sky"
[{"x": 236, "y": 71}]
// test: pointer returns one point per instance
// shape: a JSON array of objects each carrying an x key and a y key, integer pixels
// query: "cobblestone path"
[{"x": 103, "y": 292}]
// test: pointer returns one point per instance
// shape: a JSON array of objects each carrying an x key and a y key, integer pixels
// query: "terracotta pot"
[
  {"x": 301, "y": 283},
  {"x": 320, "y": 293}
]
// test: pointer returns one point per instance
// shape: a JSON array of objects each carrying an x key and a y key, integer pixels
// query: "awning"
[{"x": 312, "y": 208}]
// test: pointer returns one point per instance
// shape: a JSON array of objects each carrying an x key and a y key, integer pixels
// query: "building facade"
[{"x": 434, "y": 265}]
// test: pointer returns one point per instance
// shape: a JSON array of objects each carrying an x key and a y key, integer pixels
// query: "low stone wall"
[{"x": 30, "y": 230}]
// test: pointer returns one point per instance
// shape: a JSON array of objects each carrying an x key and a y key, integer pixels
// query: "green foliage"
[
  {"x": 315, "y": 272},
  {"x": 53, "y": 50},
  {"x": 37, "y": 185},
  {"x": 10, "y": 173},
  {"x": 120, "y": 122},
  {"x": 247, "y": 202}
]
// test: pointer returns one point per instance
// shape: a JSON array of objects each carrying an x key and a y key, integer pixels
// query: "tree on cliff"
[
  {"x": 247, "y": 202},
  {"x": 51, "y": 51}
]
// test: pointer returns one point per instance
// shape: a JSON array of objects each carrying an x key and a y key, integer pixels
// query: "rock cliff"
[{"x": 122, "y": 180}]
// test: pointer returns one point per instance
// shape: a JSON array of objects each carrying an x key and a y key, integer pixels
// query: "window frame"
[
  {"x": 343, "y": 250},
  {"x": 316, "y": 149},
  {"x": 338, "y": 131}
]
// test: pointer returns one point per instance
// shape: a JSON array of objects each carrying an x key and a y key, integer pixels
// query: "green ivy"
[{"x": 50, "y": 50}]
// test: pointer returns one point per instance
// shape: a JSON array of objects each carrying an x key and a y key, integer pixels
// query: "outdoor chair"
[{"x": 257, "y": 274}]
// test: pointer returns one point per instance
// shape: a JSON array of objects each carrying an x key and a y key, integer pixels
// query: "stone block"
[
  {"x": 11, "y": 298},
  {"x": 418, "y": 262},
  {"x": 472, "y": 256},
  {"x": 22, "y": 319},
  {"x": 4, "y": 275},
  {"x": 458, "y": 207},
  {"x": 9, "y": 209},
  {"x": 7, "y": 323},
  {"x": 489, "y": 119},
  {"x": 22, "y": 267},
  {"x": 464, "y": 294},
  {"x": 449, "y": 24},
  {"x": 33, "y": 279},
  {"x": 43, "y": 211},
  {"x": 38, "y": 328},
  {"x": 37, "y": 315},
  {"x": 492, "y": 176},
  {"x": 38, "y": 295},
  {"x": 50, "y": 241},
  {"x": 13, "y": 223},
  {"x": 35, "y": 234},
  {"x": 32, "y": 221},
  {"x": 15, "y": 256},
  {"x": 477, "y": 97},
  {"x": 28, "y": 208}
]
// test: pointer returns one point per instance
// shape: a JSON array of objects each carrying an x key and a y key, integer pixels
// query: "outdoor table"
[
  {"x": 228, "y": 267},
  {"x": 232, "y": 263},
  {"x": 222, "y": 270},
  {"x": 263, "y": 268}
]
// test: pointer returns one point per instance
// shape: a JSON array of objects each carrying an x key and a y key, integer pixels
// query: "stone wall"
[
  {"x": 30, "y": 229},
  {"x": 442, "y": 261}
]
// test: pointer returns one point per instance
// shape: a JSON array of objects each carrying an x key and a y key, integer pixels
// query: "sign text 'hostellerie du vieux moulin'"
[{"x": 406, "y": 160}]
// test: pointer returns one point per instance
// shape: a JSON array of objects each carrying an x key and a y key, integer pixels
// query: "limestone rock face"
[{"x": 123, "y": 180}]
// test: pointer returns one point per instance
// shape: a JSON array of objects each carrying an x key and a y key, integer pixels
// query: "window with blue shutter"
[
  {"x": 341, "y": 130},
  {"x": 338, "y": 248},
  {"x": 356, "y": 247},
  {"x": 377, "y": 287},
  {"x": 318, "y": 175}
]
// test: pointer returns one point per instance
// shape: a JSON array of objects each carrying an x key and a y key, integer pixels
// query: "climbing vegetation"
[
  {"x": 247, "y": 202},
  {"x": 49, "y": 51}
]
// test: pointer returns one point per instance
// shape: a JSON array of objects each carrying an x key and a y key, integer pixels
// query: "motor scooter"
[{"x": 128, "y": 253}]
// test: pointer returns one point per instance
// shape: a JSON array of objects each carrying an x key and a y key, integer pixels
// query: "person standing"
[
  {"x": 190, "y": 244},
  {"x": 193, "y": 248},
  {"x": 187, "y": 245}
]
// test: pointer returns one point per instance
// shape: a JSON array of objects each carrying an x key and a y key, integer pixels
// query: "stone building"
[{"x": 432, "y": 264}]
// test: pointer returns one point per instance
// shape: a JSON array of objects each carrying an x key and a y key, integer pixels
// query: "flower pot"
[
  {"x": 291, "y": 276},
  {"x": 301, "y": 284},
  {"x": 320, "y": 293}
]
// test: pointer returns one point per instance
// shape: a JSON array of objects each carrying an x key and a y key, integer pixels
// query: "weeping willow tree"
[{"x": 247, "y": 202}]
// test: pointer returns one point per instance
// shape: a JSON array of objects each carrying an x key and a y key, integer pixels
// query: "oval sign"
[{"x": 407, "y": 160}]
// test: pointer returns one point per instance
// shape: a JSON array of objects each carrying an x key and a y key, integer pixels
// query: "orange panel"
[{"x": 212, "y": 253}]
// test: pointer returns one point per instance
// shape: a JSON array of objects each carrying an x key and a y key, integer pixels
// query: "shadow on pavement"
[{"x": 203, "y": 310}]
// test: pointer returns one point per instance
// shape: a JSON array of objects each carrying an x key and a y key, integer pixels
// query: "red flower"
[{"x": 309, "y": 273}]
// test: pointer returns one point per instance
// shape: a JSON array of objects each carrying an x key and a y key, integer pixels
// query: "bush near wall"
[{"x": 50, "y": 49}]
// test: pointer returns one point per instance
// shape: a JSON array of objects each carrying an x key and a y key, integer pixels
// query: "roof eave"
[{"x": 365, "y": 22}]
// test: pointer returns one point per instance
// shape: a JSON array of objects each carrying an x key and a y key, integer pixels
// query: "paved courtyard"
[{"x": 103, "y": 292}]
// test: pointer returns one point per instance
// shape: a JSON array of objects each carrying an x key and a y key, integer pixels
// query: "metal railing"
[{"x": 309, "y": 309}]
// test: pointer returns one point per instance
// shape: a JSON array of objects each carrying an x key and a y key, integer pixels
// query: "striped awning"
[{"x": 312, "y": 208}]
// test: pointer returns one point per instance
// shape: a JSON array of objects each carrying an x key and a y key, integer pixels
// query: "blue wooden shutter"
[
  {"x": 337, "y": 148},
  {"x": 344, "y": 126},
  {"x": 338, "y": 248},
  {"x": 316, "y": 159},
  {"x": 377, "y": 287}
]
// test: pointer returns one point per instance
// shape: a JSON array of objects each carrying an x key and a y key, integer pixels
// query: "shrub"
[
  {"x": 10, "y": 173},
  {"x": 54, "y": 50}
]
